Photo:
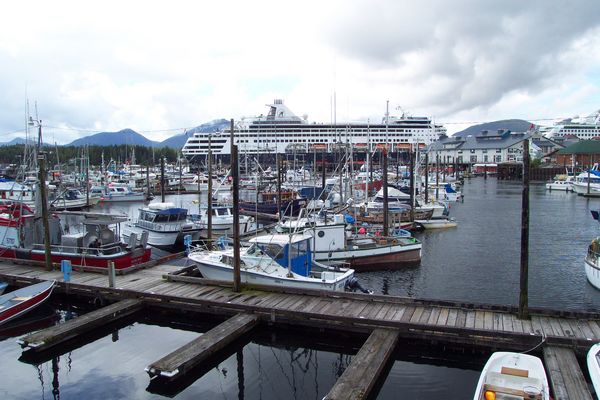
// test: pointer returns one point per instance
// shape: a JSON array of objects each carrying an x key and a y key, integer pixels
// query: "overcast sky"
[{"x": 158, "y": 67}]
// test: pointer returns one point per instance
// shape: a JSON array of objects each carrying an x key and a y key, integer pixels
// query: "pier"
[{"x": 387, "y": 319}]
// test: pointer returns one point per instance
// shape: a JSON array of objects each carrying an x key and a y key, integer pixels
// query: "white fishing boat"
[
  {"x": 334, "y": 243},
  {"x": 280, "y": 260},
  {"x": 166, "y": 225},
  {"x": 117, "y": 193},
  {"x": 593, "y": 363},
  {"x": 222, "y": 221},
  {"x": 588, "y": 183},
  {"x": 592, "y": 258},
  {"x": 512, "y": 376},
  {"x": 72, "y": 199}
]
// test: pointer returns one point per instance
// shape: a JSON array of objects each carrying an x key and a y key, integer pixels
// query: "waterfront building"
[{"x": 487, "y": 147}]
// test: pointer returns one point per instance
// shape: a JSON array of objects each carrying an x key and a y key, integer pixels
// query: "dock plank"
[
  {"x": 359, "y": 378},
  {"x": 566, "y": 378},
  {"x": 57, "y": 334},
  {"x": 177, "y": 363}
]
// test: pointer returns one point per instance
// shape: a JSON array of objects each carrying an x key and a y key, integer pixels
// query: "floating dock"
[{"x": 562, "y": 335}]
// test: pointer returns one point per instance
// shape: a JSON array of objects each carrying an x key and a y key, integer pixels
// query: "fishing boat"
[
  {"x": 164, "y": 224},
  {"x": 20, "y": 301},
  {"x": 333, "y": 243},
  {"x": 280, "y": 260},
  {"x": 512, "y": 376},
  {"x": 592, "y": 259},
  {"x": 95, "y": 245},
  {"x": 117, "y": 193},
  {"x": 72, "y": 199},
  {"x": 588, "y": 183},
  {"x": 222, "y": 221},
  {"x": 593, "y": 364},
  {"x": 267, "y": 204},
  {"x": 565, "y": 185}
]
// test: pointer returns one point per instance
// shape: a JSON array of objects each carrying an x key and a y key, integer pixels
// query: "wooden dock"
[
  {"x": 193, "y": 353},
  {"x": 479, "y": 325}
]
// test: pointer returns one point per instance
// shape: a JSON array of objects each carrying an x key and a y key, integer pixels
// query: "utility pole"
[
  {"x": 162, "y": 179},
  {"x": 209, "y": 193}
]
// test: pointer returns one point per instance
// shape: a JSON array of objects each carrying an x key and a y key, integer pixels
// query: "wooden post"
[
  {"x": 111, "y": 274},
  {"x": 279, "y": 169},
  {"x": 386, "y": 228},
  {"x": 426, "y": 192},
  {"x": 209, "y": 193},
  {"x": 437, "y": 176},
  {"x": 412, "y": 186},
  {"x": 87, "y": 179},
  {"x": 236, "y": 214},
  {"x": 44, "y": 205},
  {"x": 162, "y": 179},
  {"x": 524, "y": 282},
  {"x": 589, "y": 178}
]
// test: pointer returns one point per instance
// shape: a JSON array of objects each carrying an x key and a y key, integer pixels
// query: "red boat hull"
[
  {"x": 137, "y": 256},
  {"x": 12, "y": 312}
]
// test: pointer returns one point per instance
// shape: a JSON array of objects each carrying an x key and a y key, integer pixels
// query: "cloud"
[{"x": 159, "y": 67}]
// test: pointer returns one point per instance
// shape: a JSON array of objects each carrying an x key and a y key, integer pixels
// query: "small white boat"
[
  {"x": 564, "y": 185},
  {"x": 437, "y": 223},
  {"x": 512, "y": 376},
  {"x": 17, "y": 303},
  {"x": 593, "y": 363},
  {"x": 222, "y": 221},
  {"x": 592, "y": 259},
  {"x": 280, "y": 260}
]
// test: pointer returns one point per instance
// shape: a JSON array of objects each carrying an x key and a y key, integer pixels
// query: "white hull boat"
[
  {"x": 592, "y": 259},
  {"x": 565, "y": 186},
  {"x": 279, "y": 260},
  {"x": 513, "y": 376},
  {"x": 437, "y": 223},
  {"x": 593, "y": 363},
  {"x": 166, "y": 225}
]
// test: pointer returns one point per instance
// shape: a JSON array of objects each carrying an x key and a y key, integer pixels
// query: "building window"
[
  {"x": 472, "y": 151},
  {"x": 485, "y": 158},
  {"x": 473, "y": 158}
]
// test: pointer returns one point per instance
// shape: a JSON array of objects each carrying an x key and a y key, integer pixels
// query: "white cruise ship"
[
  {"x": 281, "y": 131},
  {"x": 584, "y": 128}
]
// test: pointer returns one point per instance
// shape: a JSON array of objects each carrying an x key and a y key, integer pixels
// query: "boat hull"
[
  {"x": 374, "y": 259},
  {"x": 582, "y": 189},
  {"x": 34, "y": 296},
  {"x": 121, "y": 260},
  {"x": 592, "y": 271},
  {"x": 593, "y": 364},
  {"x": 225, "y": 273}
]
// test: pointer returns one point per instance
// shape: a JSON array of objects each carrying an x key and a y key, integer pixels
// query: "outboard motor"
[{"x": 353, "y": 284}]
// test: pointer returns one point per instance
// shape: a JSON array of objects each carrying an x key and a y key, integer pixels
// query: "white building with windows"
[{"x": 487, "y": 147}]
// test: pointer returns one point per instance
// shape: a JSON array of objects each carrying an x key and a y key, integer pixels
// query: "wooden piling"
[
  {"x": 359, "y": 378},
  {"x": 177, "y": 363},
  {"x": 386, "y": 214},
  {"x": 524, "y": 279},
  {"x": 44, "y": 207},
  {"x": 236, "y": 214}
]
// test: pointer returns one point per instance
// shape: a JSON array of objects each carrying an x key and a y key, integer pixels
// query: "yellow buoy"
[{"x": 489, "y": 395}]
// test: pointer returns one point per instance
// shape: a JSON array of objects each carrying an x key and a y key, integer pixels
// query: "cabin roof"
[{"x": 280, "y": 239}]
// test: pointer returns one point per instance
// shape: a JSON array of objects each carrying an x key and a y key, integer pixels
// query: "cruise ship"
[
  {"x": 281, "y": 131},
  {"x": 584, "y": 128}
]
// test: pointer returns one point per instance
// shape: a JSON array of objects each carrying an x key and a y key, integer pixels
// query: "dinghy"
[
  {"x": 18, "y": 302},
  {"x": 512, "y": 376}
]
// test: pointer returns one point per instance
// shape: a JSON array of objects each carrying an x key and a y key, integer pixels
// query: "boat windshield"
[{"x": 271, "y": 250}]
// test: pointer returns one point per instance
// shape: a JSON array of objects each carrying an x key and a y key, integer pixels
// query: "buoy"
[{"x": 489, "y": 395}]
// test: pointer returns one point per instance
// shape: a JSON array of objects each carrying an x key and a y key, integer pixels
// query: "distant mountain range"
[
  {"x": 131, "y": 137},
  {"x": 513, "y": 125}
]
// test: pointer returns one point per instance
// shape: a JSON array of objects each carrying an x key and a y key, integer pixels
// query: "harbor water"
[{"x": 476, "y": 262}]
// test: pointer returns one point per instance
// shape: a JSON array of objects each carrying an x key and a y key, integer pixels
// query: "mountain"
[
  {"x": 178, "y": 141},
  {"x": 513, "y": 125},
  {"x": 124, "y": 136},
  {"x": 13, "y": 142}
]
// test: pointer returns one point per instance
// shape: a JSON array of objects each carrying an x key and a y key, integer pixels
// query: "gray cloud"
[{"x": 468, "y": 53}]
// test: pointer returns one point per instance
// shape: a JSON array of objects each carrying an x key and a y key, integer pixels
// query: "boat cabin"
[{"x": 289, "y": 251}]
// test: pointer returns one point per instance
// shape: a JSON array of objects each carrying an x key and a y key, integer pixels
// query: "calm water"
[{"x": 478, "y": 261}]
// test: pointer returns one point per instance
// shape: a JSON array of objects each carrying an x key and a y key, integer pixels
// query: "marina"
[{"x": 469, "y": 317}]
